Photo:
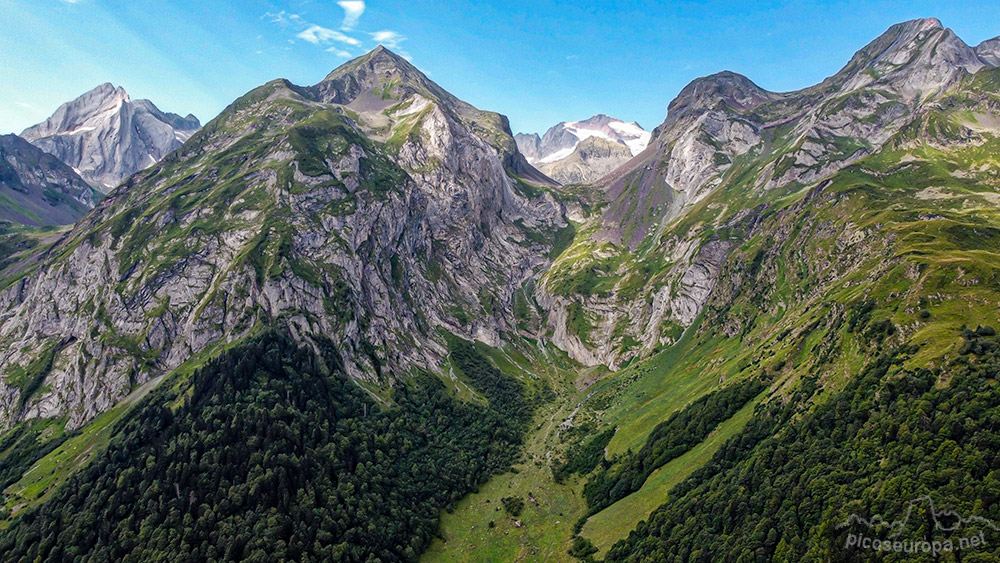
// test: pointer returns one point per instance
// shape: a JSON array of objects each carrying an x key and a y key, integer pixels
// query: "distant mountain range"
[
  {"x": 720, "y": 121},
  {"x": 583, "y": 151},
  {"x": 106, "y": 136},
  {"x": 38, "y": 189}
]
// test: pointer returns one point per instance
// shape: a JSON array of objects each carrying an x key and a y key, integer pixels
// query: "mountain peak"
[
  {"x": 583, "y": 151},
  {"x": 599, "y": 120},
  {"x": 921, "y": 24},
  {"x": 106, "y": 136},
  {"x": 384, "y": 55},
  {"x": 898, "y": 35},
  {"x": 917, "y": 56},
  {"x": 705, "y": 93},
  {"x": 382, "y": 50},
  {"x": 381, "y": 70},
  {"x": 106, "y": 91},
  {"x": 989, "y": 51},
  {"x": 733, "y": 84},
  {"x": 381, "y": 57}
]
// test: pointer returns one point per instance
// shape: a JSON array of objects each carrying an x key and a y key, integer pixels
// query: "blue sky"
[{"x": 537, "y": 62}]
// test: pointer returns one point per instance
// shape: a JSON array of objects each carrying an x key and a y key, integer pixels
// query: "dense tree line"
[
  {"x": 670, "y": 439},
  {"x": 21, "y": 447},
  {"x": 276, "y": 455},
  {"x": 779, "y": 490},
  {"x": 488, "y": 380},
  {"x": 584, "y": 456}
]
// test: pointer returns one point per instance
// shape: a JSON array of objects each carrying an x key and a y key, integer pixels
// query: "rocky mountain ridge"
[
  {"x": 106, "y": 136},
  {"x": 989, "y": 51},
  {"x": 463, "y": 216},
  {"x": 591, "y": 159},
  {"x": 725, "y": 116},
  {"x": 776, "y": 272}
]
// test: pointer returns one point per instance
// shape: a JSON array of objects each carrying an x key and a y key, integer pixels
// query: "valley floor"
[
  {"x": 542, "y": 532},
  {"x": 634, "y": 400}
]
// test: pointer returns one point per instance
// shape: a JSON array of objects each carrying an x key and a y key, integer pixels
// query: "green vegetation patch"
[
  {"x": 670, "y": 439},
  {"x": 25, "y": 444},
  {"x": 29, "y": 379},
  {"x": 583, "y": 457},
  {"x": 586, "y": 276}
]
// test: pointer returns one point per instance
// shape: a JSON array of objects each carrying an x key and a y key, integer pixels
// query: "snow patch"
[
  {"x": 634, "y": 136},
  {"x": 559, "y": 155},
  {"x": 78, "y": 131},
  {"x": 583, "y": 133}
]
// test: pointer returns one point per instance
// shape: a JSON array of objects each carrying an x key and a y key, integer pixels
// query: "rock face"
[
  {"x": 727, "y": 139},
  {"x": 37, "y": 189},
  {"x": 989, "y": 51},
  {"x": 107, "y": 137},
  {"x": 529, "y": 145},
  {"x": 592, "y": 159},
  {"x": 583, "y": 151},
  {"x": 372, "y": 208}
]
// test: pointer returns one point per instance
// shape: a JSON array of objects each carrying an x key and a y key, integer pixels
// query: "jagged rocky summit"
[{"x": 106, "y": 136}]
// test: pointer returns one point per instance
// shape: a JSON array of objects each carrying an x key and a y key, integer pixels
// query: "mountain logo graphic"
[{"x": 944, "y": 520}]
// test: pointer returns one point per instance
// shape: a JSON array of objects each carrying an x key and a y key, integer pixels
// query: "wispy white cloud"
[
  {"x": 284, "y": 18},
  {"x": 310, "y": 32},
  {"x": 388, "y": 38},
  {"x": 318, "y": 35},
  {"x": 392, "y": 40},
  {"x": 352, "y": 13},
  {"x": 326, "y": 37},
  {"x": 339, "y": 52}
]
